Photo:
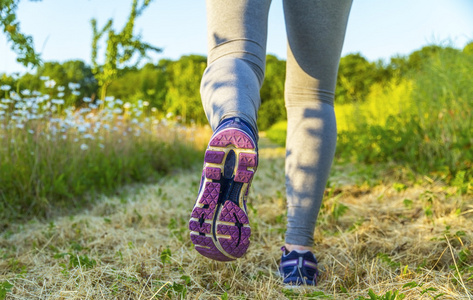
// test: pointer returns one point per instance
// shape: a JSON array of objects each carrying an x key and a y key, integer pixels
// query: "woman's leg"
[
  {"x": 315, "y": 33},
  {"x": 236, "y": 32},
  {"x": 230, "y": 94}
]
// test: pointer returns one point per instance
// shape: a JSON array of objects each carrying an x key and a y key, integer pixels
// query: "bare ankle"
[{"x": 290, "y": 247}]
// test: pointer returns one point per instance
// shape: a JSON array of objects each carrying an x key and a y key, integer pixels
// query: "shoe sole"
[{"x": 219, "y": 223}]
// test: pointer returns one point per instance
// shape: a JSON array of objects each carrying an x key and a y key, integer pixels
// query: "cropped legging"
[{"x": 315, "y": 29}]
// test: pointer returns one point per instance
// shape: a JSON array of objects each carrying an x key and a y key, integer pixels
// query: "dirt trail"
[{"x": 379, "y": 229}]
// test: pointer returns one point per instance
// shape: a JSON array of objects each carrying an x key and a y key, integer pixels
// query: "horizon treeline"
[{"x": 172, "y": 86}]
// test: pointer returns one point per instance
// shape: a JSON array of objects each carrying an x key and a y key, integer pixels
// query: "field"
[
  {"x": 95, "y": 199},
  {"x": 381, "y": 229}
]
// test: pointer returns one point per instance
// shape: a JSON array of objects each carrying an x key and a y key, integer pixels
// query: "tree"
[
  {"x": 121, "y": 47},
  {"x": 72, "y": 71},
  {"x": 21, "y": 44},
  {"x": 148, "y": 84},
  {"x": 183, "y": 88},
  {"x": 272, "y": 107},
  {"x": 468, "y": 49},
  {"x": 355, "y": 76}
]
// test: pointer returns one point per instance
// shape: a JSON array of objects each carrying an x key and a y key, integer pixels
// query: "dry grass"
[{"x": 118, "y": 249}]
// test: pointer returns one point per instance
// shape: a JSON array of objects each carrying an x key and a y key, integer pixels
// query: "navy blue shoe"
[
  {"x": 298, "y": 268},
  {"x": 219, "y": 223}
]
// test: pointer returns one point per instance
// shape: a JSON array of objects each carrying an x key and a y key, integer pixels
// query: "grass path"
[{"x": 380, "y": 228}]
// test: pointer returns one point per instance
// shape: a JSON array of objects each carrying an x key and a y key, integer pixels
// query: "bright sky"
[{"x": 377, "y": 29}]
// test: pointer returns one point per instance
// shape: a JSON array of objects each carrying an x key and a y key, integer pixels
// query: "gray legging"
[{"x": 237, "y": 32}]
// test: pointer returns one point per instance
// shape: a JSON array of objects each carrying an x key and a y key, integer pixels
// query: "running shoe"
[
  {"x": 298, "y": 267},
  {"x": 219, "y": 223}
]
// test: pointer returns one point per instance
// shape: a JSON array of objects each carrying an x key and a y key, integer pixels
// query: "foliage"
[
  {"x": 121, "y": 47},
  {"x": 272, "y": 107},
  {"x": 148, "y": 84},
  {"x": 182, "y": 88},
  {"x": 277, "y": 132},
  {"x": 468, "y": 49},
  {"x": 355, "y": 76},
  {"x": 390, "y": 295},
  {"x": 5, "y": 287},
  {"x": 20, "y": 43},
  {"x": 423, "y": 120}
]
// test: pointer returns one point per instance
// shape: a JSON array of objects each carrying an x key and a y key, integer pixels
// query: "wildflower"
[
  {"x": 75, "y": 93},
  {"x": 154, "y": 109},
  {"x": 31, "y": 131},
  {"x": 61, "y": 88},
  {"x": 73, "y": 86},
  {"x": 84, "y": 147},
  {"x": 36, "y": 93},
  {"x": 87, "y": 99},
  {"x": 64, "y": 136},
  {"x": 5, "y": 87},
  {"x": 20, "y": 126},
  {"x": 169, "y": 115},
  {"x": 109, "y": 98},
  {"x": 119, "y": 102},
  {"x": 102, "y": 146},
  {"x": 57, "y": 101},
  {"x": 145, "y": 103},
  {"x": 88, "y": 136},
  {"x": 117, "y": 111},
  {"x": 127, "y": 105},
  {"x": 93, "y": 106},
  {"x": 99, "y": 102},
  {"x": 60, "y": 94},
  {"x": 50, "y": 83},
  {"x": 15, "y": 96},
  {"x": 81, "y": 128},
  {"x": 44, "y": 78}
]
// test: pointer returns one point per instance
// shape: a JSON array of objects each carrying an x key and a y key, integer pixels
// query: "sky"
[{"x": 377, "y": 29}]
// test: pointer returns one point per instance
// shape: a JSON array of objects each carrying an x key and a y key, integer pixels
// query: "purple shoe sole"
[{"x": 219, "y": 223}]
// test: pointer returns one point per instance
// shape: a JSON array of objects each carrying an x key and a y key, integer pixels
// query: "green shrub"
[
  {"x": 277, "y": 133},
  {"x": 424, "y": 121}
]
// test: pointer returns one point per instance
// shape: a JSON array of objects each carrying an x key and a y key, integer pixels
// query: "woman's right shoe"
[{"x": 219, "y": 223}]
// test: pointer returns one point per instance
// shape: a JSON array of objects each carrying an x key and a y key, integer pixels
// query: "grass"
[
  {"x": 55, "y": 157},
  {"x": 395, "y": 222},
  {"x": 383, "y": 233}
]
